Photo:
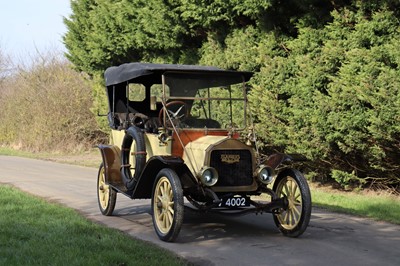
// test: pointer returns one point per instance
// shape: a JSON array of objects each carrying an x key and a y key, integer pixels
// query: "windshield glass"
[{"x": 212, "y": 101}]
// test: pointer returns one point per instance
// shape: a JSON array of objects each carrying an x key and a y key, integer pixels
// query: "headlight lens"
[
  {"x": 265, "y": 174},
  {"x": 208, "y": 176}
]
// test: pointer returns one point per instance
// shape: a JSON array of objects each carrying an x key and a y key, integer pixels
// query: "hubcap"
[
  {"x": 290, "y": 217},
  {"x": 164, "y": 205}
]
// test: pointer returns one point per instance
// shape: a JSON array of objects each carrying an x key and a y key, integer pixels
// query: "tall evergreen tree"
[{"x": 326, "y": 82}]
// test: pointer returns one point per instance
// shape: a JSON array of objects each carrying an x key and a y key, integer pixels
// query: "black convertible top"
[{"x": 126, "y": 72}]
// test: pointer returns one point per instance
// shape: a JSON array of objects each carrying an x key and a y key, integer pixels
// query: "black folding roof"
[{"x": 130, "y": 71}]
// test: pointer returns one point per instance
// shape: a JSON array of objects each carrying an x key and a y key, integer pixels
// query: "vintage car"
[{"x": 185, "y": 132}]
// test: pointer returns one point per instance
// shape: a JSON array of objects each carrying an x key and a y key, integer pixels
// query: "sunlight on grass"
[
  {"x": 381, "y": 207},
  {"x": 35, "y": 232},
  {"x": 89, "y": 158},
  {"x": 12, "y": 152}
]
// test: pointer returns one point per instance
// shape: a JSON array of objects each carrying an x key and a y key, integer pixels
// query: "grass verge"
[
  {"x": 35, "y": 232},
  {"x": 378, "y": 206},
  {"x": 91, "y": 158}
]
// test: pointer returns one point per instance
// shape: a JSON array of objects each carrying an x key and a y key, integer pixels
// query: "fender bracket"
[{"x": 276, "y": 159}]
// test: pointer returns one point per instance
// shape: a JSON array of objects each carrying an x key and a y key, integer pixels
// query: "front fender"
[
  {"x": 276, "y": 159},
  {"x": 144, "y": 187}
]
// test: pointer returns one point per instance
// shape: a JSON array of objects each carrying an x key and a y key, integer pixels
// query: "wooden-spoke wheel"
[
  {"x": 293, "y": 220},
  {"x": 167, "y": 205},
  {"x": 106, "y": 196}
]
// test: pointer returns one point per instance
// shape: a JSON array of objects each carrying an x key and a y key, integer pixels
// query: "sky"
[{"x": 31, "y": 26}]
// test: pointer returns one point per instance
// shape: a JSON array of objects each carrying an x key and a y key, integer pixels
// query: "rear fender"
[
  {"x": 111, "y": 156},
  {"x": 146, "y": 180}
]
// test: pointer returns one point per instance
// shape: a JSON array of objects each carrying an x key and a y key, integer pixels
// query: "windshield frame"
[{"x": 240, "y": 81}]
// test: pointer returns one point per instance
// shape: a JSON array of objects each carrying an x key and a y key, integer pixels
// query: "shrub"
[
  {"x": 335, "y": 96},
  {"x": 347, "y": 180},
  {"x": 47, "y": 107}
]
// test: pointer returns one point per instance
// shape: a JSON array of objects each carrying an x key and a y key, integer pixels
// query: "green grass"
[
  {"x": 35, "y": 232},
  {"x": 12, "y": 152},
  {"x": 382, "y": 207},
  {"x": 89, "y": 158}
]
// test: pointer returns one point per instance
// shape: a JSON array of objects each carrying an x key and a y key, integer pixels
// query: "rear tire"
[
  {"x": 294, "y": 220},
  {"x": 106, "y": 196},
  {"x": 167, "y": 205}
]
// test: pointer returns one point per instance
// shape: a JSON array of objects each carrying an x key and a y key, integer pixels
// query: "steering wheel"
[{"x": 177, "y": 110}]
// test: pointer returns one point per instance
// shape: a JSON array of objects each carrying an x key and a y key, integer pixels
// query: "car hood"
[{"x": 195, "y": 152}]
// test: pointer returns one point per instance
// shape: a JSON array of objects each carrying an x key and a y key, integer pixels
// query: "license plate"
[{"x": 235, "y": 202}]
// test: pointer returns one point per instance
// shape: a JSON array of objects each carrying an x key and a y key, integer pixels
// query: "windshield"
[{"x": 212, "y": 101}]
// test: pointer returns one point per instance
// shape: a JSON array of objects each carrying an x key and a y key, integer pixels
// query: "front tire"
[
  {"x": 294, "y": 220},
  {"x": 106, "y": 196},
  {"x": 167, "y": 205}
]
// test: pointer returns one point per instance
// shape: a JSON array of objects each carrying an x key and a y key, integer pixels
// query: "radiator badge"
[{"x": 230, "y": 158}]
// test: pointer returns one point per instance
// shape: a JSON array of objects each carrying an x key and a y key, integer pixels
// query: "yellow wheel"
[
  {"x": 106, "y": 196},
  {"x": 167, "y": 205},
  {"x": 293, "y": 220}
]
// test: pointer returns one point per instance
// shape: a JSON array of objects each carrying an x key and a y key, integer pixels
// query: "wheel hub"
[
  {"x": 291, "y": 202},
  {"x": 163, "y": 203}
]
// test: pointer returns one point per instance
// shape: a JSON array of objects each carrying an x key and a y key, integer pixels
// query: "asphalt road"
[{"x": 331, "y": 239}]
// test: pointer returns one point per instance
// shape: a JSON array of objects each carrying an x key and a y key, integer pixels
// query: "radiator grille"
[{"x": 234, "y": 167}]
